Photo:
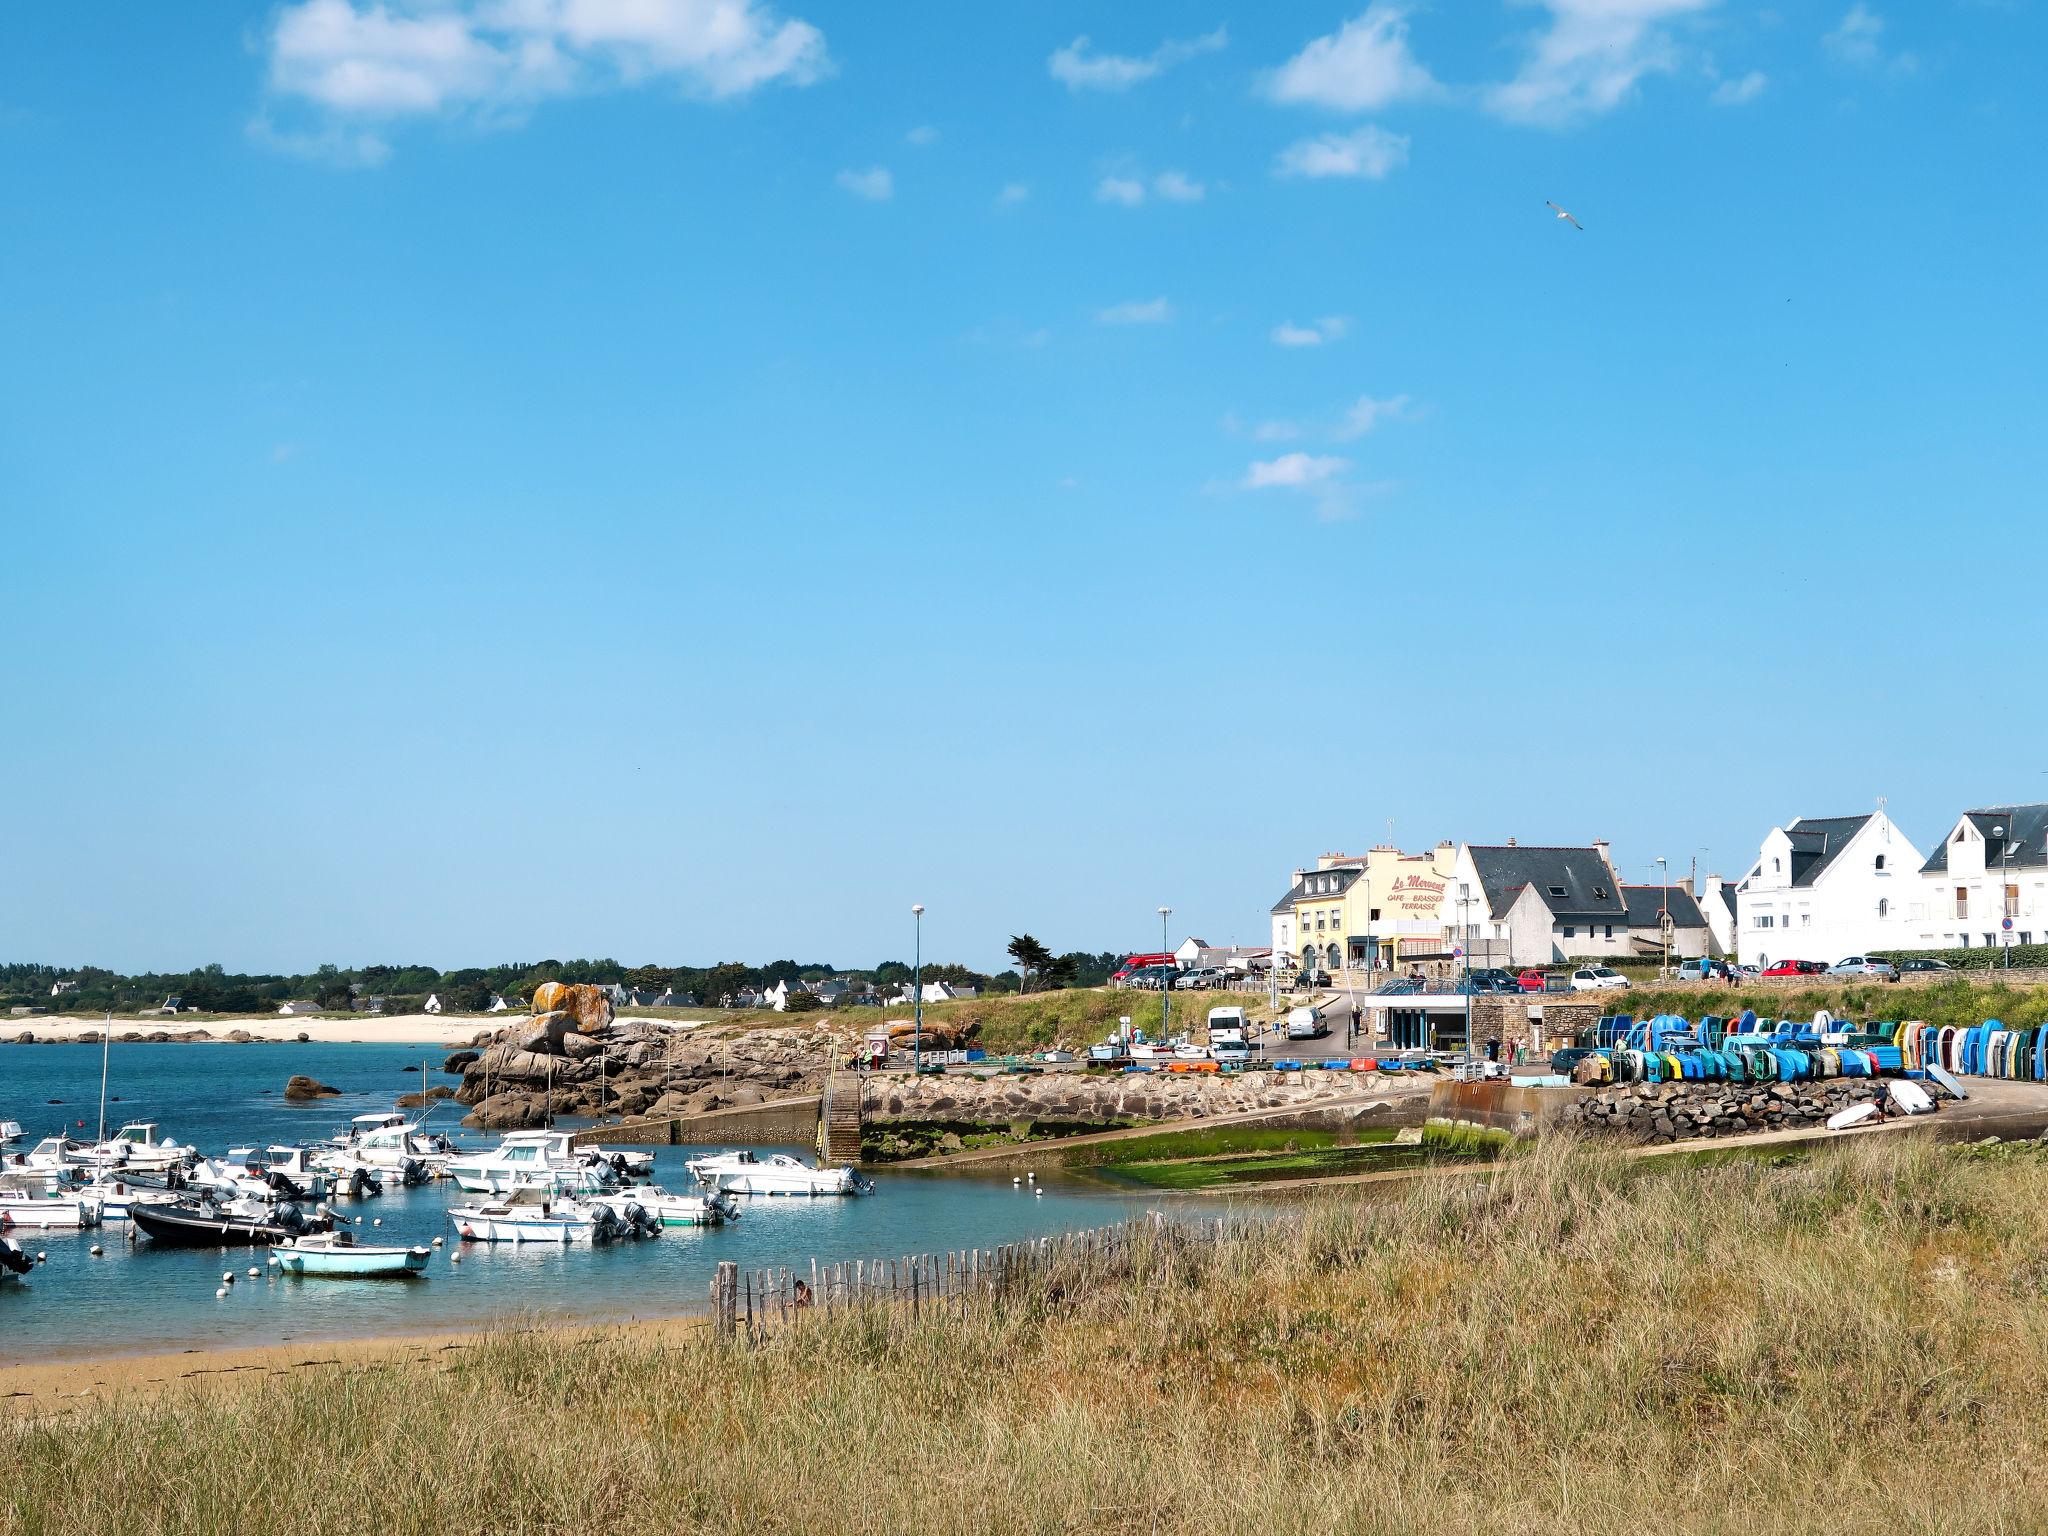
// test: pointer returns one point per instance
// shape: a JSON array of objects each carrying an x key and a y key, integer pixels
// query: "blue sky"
[{"x": 683, "y": 480}]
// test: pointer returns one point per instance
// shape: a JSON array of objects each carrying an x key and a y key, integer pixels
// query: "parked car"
[
  {"x": 1797, "y": 968},
  {"x": 1152, "y": 977},
  {"x": 1598, "y": 978},
  {"x": 1487, "y": 986},
  {"x": 1922, "y": 966},
  {"x": 1562, "y": 1061},
  {"x": 1701, "y": 969},
  {"x": 1864, "y": 965},
  {"x": 1495, "y": 973},
  {"x": 1306, "y": 1024},
  {"x": 1311, "y": 979},
  {"x": 1199, "y": 976},
  {"x": 1532, "y": 981}
]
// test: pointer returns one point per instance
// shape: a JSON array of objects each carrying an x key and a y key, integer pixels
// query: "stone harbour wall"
[
  {"x": 1665, "y": 1112},
  {"x": 1073, "y": 1098}
]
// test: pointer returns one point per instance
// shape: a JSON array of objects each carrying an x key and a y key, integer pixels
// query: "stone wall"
[
  {"x": 1073, "y": 1098},
  {"x": 1662, "y": 1112},
  {"x": 1507, "y": 1019}
]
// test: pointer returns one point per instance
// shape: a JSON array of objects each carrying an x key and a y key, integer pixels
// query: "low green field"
[{"x": 1370, "y": 1152}]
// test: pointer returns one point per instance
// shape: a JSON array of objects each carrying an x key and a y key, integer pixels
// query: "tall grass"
[{"x": 1854, "y": 1342}]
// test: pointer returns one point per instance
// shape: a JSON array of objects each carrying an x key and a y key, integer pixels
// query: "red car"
[
  {"x": 1532, "y": 981},
  {"x": 1797, "y": 968}
]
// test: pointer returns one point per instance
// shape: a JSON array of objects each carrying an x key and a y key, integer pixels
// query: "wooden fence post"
[{"x": 725, "y": 1290}]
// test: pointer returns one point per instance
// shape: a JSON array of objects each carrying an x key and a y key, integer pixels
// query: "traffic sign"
[
  {"x": 2006, "y": 924},
  {"x": 1457, "y": 951}
]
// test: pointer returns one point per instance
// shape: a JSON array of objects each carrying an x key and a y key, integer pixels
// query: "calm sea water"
[{"x": 139, "y": 1298}]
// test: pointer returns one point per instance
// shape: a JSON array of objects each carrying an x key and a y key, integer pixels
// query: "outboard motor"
[
  {"x": 292, "y": 1219},
  {"x": 641, "y": 1221},
  {"x": 618, "y": 1162},
  {"x": 412, "y": 1173},
  {"x": 606, "y": 1226},
  {"x": 12, "y": 1259},
  {"x": 361, "y": 1186},
  {"x": 281, "y": 1184}
]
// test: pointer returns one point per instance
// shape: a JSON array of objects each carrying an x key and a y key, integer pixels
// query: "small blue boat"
[{"x": 338, "y": 1253}]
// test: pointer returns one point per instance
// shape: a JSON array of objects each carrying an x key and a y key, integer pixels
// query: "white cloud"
[
  {"x": 922, "y": 137},
  {"x": 348, "y": 61},
  {"x": 1328, "y": 328},
  {"x": 1370, "y": 153},
  {"x": 875, "y": 183},
  {"x": 1012, "y": 194},
  {"x": 1293, "y": 471},
  {"x": 1120, "y": 189},
  {"x": 1590, "y": 57},
  {"x": 1136, "y": 312},
  {"x": 1082, "y": 70},
  {"x": 1365, "y": 413},
  {"x": 1176, "y": 187},
  {"x": 1858, "y": 40},
  {"x": 1361, "y": 67},
  {"x": 1740, "y": 93}
]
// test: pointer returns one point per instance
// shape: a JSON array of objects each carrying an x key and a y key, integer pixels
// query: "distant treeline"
[{"x": 406, "y": 988}]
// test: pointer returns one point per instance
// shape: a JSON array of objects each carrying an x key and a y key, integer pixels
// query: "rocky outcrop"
[
  {"x": 633, "y": 1067},
  {"x": 302, "y": 1087},
  {"x": 1077, "y": 1098},
  {"x": 1665, "y": 1112}
]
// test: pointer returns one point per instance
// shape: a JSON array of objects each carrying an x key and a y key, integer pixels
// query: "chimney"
[
  {"x": 1600, "y": 847},
  {"x": 1511, "y": 842},
  {"x": 1685, "y": 884}
]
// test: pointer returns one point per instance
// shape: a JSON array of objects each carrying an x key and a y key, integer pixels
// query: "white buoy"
[
  {"x": 227, "y": 1277},
  {"x": 359, "y": 1220},
  {"x": 275, "y": 1261},
  {"x": 221, "y": 1292},
  {"x": 439, "y": 1241},
  {"x": 376, "y": 1221},
  {"x": 97, "y": 1250},
  {"x": 1039, "y": 1192},
  {"x": 1032, "y": 1177},
  {"x": 42, "y": 1258},
  {"x": 1014, "y": 1180},
  {"x": 454, "y": 1258},
  {"x": 254, "y": 1271}
]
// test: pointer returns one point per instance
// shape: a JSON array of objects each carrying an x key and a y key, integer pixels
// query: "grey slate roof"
[
  {"x": 1344, "y": 878},
  {"x": 1286, "y": 903},
  {"x": 1574, "y": 882},
  {"x": 1816, "y": 840},
  {"x": 2023, "y": 846},
  {"x": 1646, "y": 901}
]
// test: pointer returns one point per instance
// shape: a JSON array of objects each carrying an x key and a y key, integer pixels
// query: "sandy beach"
[
  {"x": 362, "y": 1028},
  {"x": 54, "y": 1386}
]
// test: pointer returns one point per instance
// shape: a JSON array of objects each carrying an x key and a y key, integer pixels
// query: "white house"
[
  {"x": 498, "y": 1004},
  {"x": 1189, "y": 952},
  {"x": 433, "y": 1003},
  {"x": 1717, "y": 905},
  {"x": 1685, "y": 936},
  {"x": 1512, "y": 904},
  {"x": 1825, "y": 887},
  {"x": 1985, "y": 883},
  {"x": 294, "y": 1009}
]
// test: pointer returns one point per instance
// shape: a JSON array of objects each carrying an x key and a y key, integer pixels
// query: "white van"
[
  {"x": 1306, "y": 1023},
  {"x": 1229, "y": 1035}
]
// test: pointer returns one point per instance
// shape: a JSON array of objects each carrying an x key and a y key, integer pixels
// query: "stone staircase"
[{"x": 839, "y": 1120}]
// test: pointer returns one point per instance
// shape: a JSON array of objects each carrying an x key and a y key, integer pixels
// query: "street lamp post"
[
  {"x": 917, "y": 992},
  {"x": 2005, "y": 901},
  {"x": 1166, "y": 981},
  {"x": 1664, "y": 920},
  {"x": 1465, "y": 947}
]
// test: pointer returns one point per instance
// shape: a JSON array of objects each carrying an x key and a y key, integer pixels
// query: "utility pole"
[
  {"x": 1166, "y": 981},
  {"x": 917, "y": 991}
]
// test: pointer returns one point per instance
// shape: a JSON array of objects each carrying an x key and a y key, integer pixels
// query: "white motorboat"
[
  {"x": 136, "y": 1146},
  {"x": 386, "y": 1143},
  {"x": 293, "y": 1165},
  {"x": 50, "y": 1159},
  {"x": 338, "y": 1253},
  {"x": 10, "y": 1132},
  {"x": 706, "y": 1210},
  {"x": 532, "y": 1216},
  {"x": 540, "y": 1160},
  {"x": 746, "y": 1173},
  {"x": 46, "y": 1213}
]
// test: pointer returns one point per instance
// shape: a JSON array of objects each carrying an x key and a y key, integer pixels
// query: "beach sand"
[
  {"x": 36, "y": 1388},
  {"x": 361, "y": 1028}
]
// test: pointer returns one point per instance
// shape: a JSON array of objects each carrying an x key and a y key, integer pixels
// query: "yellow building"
[{"x": 1380, "y": 909}]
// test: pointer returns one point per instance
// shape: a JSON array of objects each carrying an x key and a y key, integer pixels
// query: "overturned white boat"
[{"x": 779, "y": 1173}]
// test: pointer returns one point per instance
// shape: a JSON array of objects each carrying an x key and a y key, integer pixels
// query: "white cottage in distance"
[
  {"x": 1827, "y": 887},
  {"x": 1991, "y": 869}
]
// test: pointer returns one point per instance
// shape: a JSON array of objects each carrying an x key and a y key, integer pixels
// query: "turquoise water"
[{"x": 139, "y": 1298}]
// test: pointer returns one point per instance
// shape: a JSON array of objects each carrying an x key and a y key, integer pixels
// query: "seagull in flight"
[{"x": 1575, "y": 224}]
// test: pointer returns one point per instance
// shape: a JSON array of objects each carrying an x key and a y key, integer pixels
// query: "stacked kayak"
[{"x": 1989, "y": 1049}]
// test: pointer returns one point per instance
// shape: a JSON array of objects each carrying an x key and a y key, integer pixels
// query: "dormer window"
[
  {"x": 1556, "y": 890},
  {"x": 1599, "y": 893},
  {"x": 1880, "y": 861}
]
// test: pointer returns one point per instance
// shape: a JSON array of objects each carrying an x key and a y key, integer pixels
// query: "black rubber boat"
[{"x": 196, "y": 1224}]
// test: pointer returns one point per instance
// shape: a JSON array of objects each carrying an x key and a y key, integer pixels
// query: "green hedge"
[{"x": 1973, "y": 959}]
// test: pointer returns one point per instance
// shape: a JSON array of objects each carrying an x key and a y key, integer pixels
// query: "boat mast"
[{"x": 106, "y": 1049}]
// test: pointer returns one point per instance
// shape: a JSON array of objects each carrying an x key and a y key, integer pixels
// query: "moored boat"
[
  {"x": 534, "y": 1216},
  {"x": 338, "y": 1253},
  {"x": 208, "y": 1223},
  {"x": 14, "y": 1260},
  {"x": 706, "y": 1210},
  {"x": 45, "y": 1213},
  {"x": 745, "y": 1173}
]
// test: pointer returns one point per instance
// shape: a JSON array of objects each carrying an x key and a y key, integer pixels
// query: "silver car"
[{"x": 1865, "y": 965}]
